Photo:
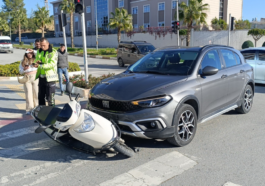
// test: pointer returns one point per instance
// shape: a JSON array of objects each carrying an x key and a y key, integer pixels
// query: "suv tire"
[
  {"x": 185, "y": 122},
  {"x": 120, "y": 61},
  {"x": 247, "y": 100}
]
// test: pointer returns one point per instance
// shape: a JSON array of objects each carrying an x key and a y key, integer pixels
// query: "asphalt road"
[
  {"x": 229, "y": 148},
  {"x": 95, "y": 66}
]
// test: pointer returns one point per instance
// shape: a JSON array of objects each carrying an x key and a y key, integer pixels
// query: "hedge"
[
  {"x": 12, "y": 69},
  {"x": 247, "y": 44}
]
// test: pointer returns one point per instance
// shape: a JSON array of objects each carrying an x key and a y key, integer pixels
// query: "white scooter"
[{"x": 79, "y": 128}]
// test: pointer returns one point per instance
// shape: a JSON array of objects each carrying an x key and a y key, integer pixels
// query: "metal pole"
[
  {"x": 229, "y": 30},
  {"x": 84, "y": 46},
  {"x": 192, "y": 37},
  {"x": 96, "y": 25},
  {"x": 64, "y": 36},
  {"x": 177, "y": 9}
]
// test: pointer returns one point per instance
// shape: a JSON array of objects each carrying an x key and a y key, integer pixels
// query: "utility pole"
[
  {"x": 177, "y": 11},
  {"x": 96, "y": 25},
  {"x": 229, "y": 30},
  {"x": 84, "y": 46},
  {"x": 63, "y": 27}
]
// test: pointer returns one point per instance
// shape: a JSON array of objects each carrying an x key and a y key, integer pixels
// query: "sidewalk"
[{"x": 13, "y": 104}]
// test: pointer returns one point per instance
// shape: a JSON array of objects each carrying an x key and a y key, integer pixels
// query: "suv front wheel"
[{"x": 185, "y": 122}]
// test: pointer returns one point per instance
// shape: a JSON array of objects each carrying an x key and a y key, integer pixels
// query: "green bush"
[
  {"x": 21, "y": 43},
  {"x": 10, "y": 69},
  {"x": 73, "y": 67},
  {"x": 51, "y": 45},
  {"x": 13, "y": 69},
  {"x": 79, "y": 80},
  {"x": 247, "y": 44},
  {"x": 31, "y": 44}
]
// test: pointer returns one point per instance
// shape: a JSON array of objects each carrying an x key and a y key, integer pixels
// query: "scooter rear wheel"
[{"x": 124, "y": 149}]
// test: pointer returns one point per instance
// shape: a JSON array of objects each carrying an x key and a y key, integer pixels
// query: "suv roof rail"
[
  {"x": 213, "y": 45},
  {"x": 126, "y": 42},
  {"x": 140, "y": 41}
]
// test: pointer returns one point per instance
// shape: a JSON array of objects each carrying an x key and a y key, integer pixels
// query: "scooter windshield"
[{"x": 65, "y": 114}]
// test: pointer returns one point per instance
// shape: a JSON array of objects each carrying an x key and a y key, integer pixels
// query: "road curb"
[{"x": 80, "y": 55}]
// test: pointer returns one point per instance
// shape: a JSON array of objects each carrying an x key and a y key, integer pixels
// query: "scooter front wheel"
[{"x": 124, "y": 149}]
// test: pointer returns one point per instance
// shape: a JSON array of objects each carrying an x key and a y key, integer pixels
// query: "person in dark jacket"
[{"x": 62, "y": 66}]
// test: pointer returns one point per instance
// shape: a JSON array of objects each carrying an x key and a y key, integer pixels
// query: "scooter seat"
[{"x": 47, "y": 115}]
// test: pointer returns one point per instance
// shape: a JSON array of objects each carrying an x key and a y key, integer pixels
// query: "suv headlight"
[
  {"x": 87, "y": 125},
  {"x": 154, "y": 102}
]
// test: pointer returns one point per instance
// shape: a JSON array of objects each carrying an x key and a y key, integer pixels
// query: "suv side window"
[
  {"x": 238, "y": 59},
  {"x": 211, "y": 59},
  {"x": 262, "y": 55},
  {"x": 229, "y": 58}
]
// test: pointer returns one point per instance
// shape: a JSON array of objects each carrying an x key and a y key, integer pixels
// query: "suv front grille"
[{"x": 118, "y": 106}]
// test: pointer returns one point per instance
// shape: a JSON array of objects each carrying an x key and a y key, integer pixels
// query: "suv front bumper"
[{"x": 131, "y": 122}]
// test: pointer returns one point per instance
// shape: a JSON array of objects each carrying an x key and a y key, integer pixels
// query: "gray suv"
[
  {"x": 168, "y": 92},
  {"x": 131, "y": 51}
]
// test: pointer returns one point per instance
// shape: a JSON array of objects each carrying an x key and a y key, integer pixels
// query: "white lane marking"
[
  {"x": 14, "y": 152},
  {"x": 230, "y": 184},
  {"x": 73, "y": 164},
  {"x": 154, "y": 172},
  {"x": 17, "y": 133},
  {"x": 40, "y": 169}
]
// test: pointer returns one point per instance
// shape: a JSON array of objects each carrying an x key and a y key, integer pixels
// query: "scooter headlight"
[{"x": 87, "y": 125}]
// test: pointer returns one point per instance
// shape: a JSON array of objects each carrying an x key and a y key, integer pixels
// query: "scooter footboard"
[{"x": 46, "y": 115}]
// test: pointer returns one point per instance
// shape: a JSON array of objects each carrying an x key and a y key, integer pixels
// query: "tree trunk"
[
  {"x": 119, "y": 35},
  {"x": 19, "y": 31},
  {"x": 42, "y": 30},
  {"x": 72, "y": 30},
  {"x": 188, "y": 37},
  {"x": 256, "y": 43}
]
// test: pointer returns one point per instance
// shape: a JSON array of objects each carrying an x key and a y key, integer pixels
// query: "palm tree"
[
  {"x": 42, "y": 18},
  {"x": 3, "y": 26},
  {"x": 19, "y": 19},
  {"x": 121, "y": 20},
  {"x": 68, "y": 6},
  {"x": 192, "y": 13}
]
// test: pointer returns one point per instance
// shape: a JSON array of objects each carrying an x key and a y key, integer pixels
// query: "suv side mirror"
[{"x": 209, "y": 71}]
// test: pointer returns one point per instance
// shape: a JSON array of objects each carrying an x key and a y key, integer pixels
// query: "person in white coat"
[{"x": 28, "y": 68}]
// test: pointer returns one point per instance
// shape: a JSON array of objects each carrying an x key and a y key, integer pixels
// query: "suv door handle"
[
  {"x": 224, "y": 76},
  {"x": 242, "y": 71}
]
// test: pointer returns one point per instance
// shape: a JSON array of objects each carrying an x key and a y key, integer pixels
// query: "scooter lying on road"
[{"x": 80, "y": 129}]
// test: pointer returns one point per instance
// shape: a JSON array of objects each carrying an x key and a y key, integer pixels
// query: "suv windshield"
[
  {"x": 176, "y": 62},
  {"x": 5, "y": 41},
  {"x": 145, "y": 49}
]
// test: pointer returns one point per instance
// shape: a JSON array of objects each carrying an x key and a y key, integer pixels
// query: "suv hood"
[{"x": 128, "y": 87}]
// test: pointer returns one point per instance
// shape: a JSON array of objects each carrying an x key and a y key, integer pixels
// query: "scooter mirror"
[{"x": 69, "y": 87}]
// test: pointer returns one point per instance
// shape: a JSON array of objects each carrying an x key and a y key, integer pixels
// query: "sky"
[{"x": 251, "y": 8}]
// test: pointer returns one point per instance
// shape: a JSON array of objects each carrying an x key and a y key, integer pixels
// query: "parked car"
[
  {"x": 6, "y": 44},
  {"x": 131, "y": 51},
  {"x": 166, "y": 93},
  {"x": 256, "y": 58},
  {"x": 22, "y": 38}
]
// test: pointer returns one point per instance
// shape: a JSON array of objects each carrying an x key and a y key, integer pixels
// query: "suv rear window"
[
  {"x": 249, "y": 54},
  {"x": 229, "y": 58},
  {"x": 5, "y": 41}
]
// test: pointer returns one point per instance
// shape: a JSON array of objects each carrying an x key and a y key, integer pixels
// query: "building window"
[
  {"x": 146, "y": 25},
  {"x": 160, "y": 24},
  {"x": 102, "y": 14},
  {"x": 161, "y": 6},
  {"x": 56, "y": 10},
  {"x": 121, "y": 3},
  {"x": 135, "y": 26},
  {"x": 88, "y": 9},
  {"x": 89, "y": 23},
  {"x": 221, "y": 11},
  {"x": 135, "y": 10},
  {"x": 56, "y": 25},
  {"x": 174, "y": 4},
  {"x": 76, "y": 19},
  {"x": 146, "y": 8}
]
